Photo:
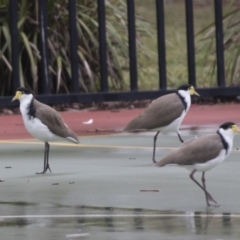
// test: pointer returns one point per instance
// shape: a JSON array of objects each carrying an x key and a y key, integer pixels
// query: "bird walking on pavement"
[
  {"x": 203, "y": 154},
  {"x": 164, "y": 114}
]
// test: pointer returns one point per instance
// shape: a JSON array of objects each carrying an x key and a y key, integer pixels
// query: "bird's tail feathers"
[
  {"x": 159, "y": 164},
  {"x": 73, "y": 140}
]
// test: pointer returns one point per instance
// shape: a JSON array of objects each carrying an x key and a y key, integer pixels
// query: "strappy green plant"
[
  {"x": 59, "y": 42},
  {"x": 206, "y": 43}
]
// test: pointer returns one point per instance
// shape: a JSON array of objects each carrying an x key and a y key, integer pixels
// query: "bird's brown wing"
[
  {"x": 199, "y": 150},
  {"x": 53, "y": 120},
  {"x": 159, "y": 113}
]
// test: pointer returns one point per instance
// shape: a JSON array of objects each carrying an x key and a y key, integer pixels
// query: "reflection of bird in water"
[
  {"x": 138, "y": 220},
  {"x": 109, "y": 220},
  {"x": 198, "y": 222}
]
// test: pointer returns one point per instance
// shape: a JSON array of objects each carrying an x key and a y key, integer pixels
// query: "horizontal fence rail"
[
  {"x": 133, "y": 94},
  {"x": 54, "y": 99}
]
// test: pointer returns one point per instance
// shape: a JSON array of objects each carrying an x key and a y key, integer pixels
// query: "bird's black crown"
[
  {"x": 24, "y": 90},
  {"x": 227, "y": 125},
  {"x": 184, "y": 87}
]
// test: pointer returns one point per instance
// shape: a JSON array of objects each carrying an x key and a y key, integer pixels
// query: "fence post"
[
  {"x": 161, "y": 44},
  {"x": 102, "y": 45},
  {"x": 219, "y": 43},
  {"x": 190, "y": 42},
  {"x": 73, "y": 45},
  {"x": 132, "y": 45},
  {"x": 13, "y": 9},
  {"x": 44, "y": 76}
]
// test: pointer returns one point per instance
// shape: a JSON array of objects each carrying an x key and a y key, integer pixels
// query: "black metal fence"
[{"x": 133, "y": 94}]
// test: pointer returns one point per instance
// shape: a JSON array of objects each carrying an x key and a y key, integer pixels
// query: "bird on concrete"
[
  {"x": 43, "y": 122},
  {"x": 203, "y": 154},
  {"x": 164, "y": 114}
]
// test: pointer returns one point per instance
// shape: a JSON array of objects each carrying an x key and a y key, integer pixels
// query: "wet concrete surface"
[{"x": 108, "y": 188}]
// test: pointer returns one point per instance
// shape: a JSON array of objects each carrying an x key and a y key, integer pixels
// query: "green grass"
[{"x": 176, "y": 48}]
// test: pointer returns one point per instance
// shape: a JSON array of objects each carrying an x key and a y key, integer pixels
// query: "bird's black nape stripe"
[
  {"x": 31, "y": 110},
  {"x": 182, "y": 99},
  {"x": 225, "y": 144}
]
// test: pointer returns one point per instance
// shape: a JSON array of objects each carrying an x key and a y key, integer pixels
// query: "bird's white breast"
[
  {"x": 174, "y": 125},
  {"x": 35, "y": 127},
  {"x": 38, "y": 130},
  {"x": 203, "y": 167}
]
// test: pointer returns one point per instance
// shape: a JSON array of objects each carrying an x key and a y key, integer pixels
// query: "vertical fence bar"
[
  {"x": 13, "y": 9},
  {"x": 219, "y": 43},
  {"x": 44, "y": 80},
  {"x": 73, "y": 44},
  {"x": 161, "y": 44},
  {"x": 132, "y": 45},
  {"x": 190, "y": 42},
  {"x": 102, "y": 45}
]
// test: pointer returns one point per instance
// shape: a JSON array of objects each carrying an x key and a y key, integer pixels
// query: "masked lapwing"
[
  {"x": 164, "y": 114},
  {"x": 203, "y": 154},
  {"x": 43, "y": 122}
]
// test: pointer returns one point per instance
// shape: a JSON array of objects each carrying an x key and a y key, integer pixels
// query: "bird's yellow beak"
[
  {"x": 235, "y": 129},
  {"x": 193, "y": 92},
  {"x": 17, "y": 96}
]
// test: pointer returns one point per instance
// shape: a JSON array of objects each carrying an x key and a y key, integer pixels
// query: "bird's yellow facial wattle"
[
  {"x": 192, "y": 91},
  {"x": 235, "y": 129},
  {"x": 17, "y": 96}
]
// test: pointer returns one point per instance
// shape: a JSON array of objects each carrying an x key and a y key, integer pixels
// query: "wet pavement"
[
  {"x": 111, "y": 223},
  {"x": 108, "y": 188}
]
